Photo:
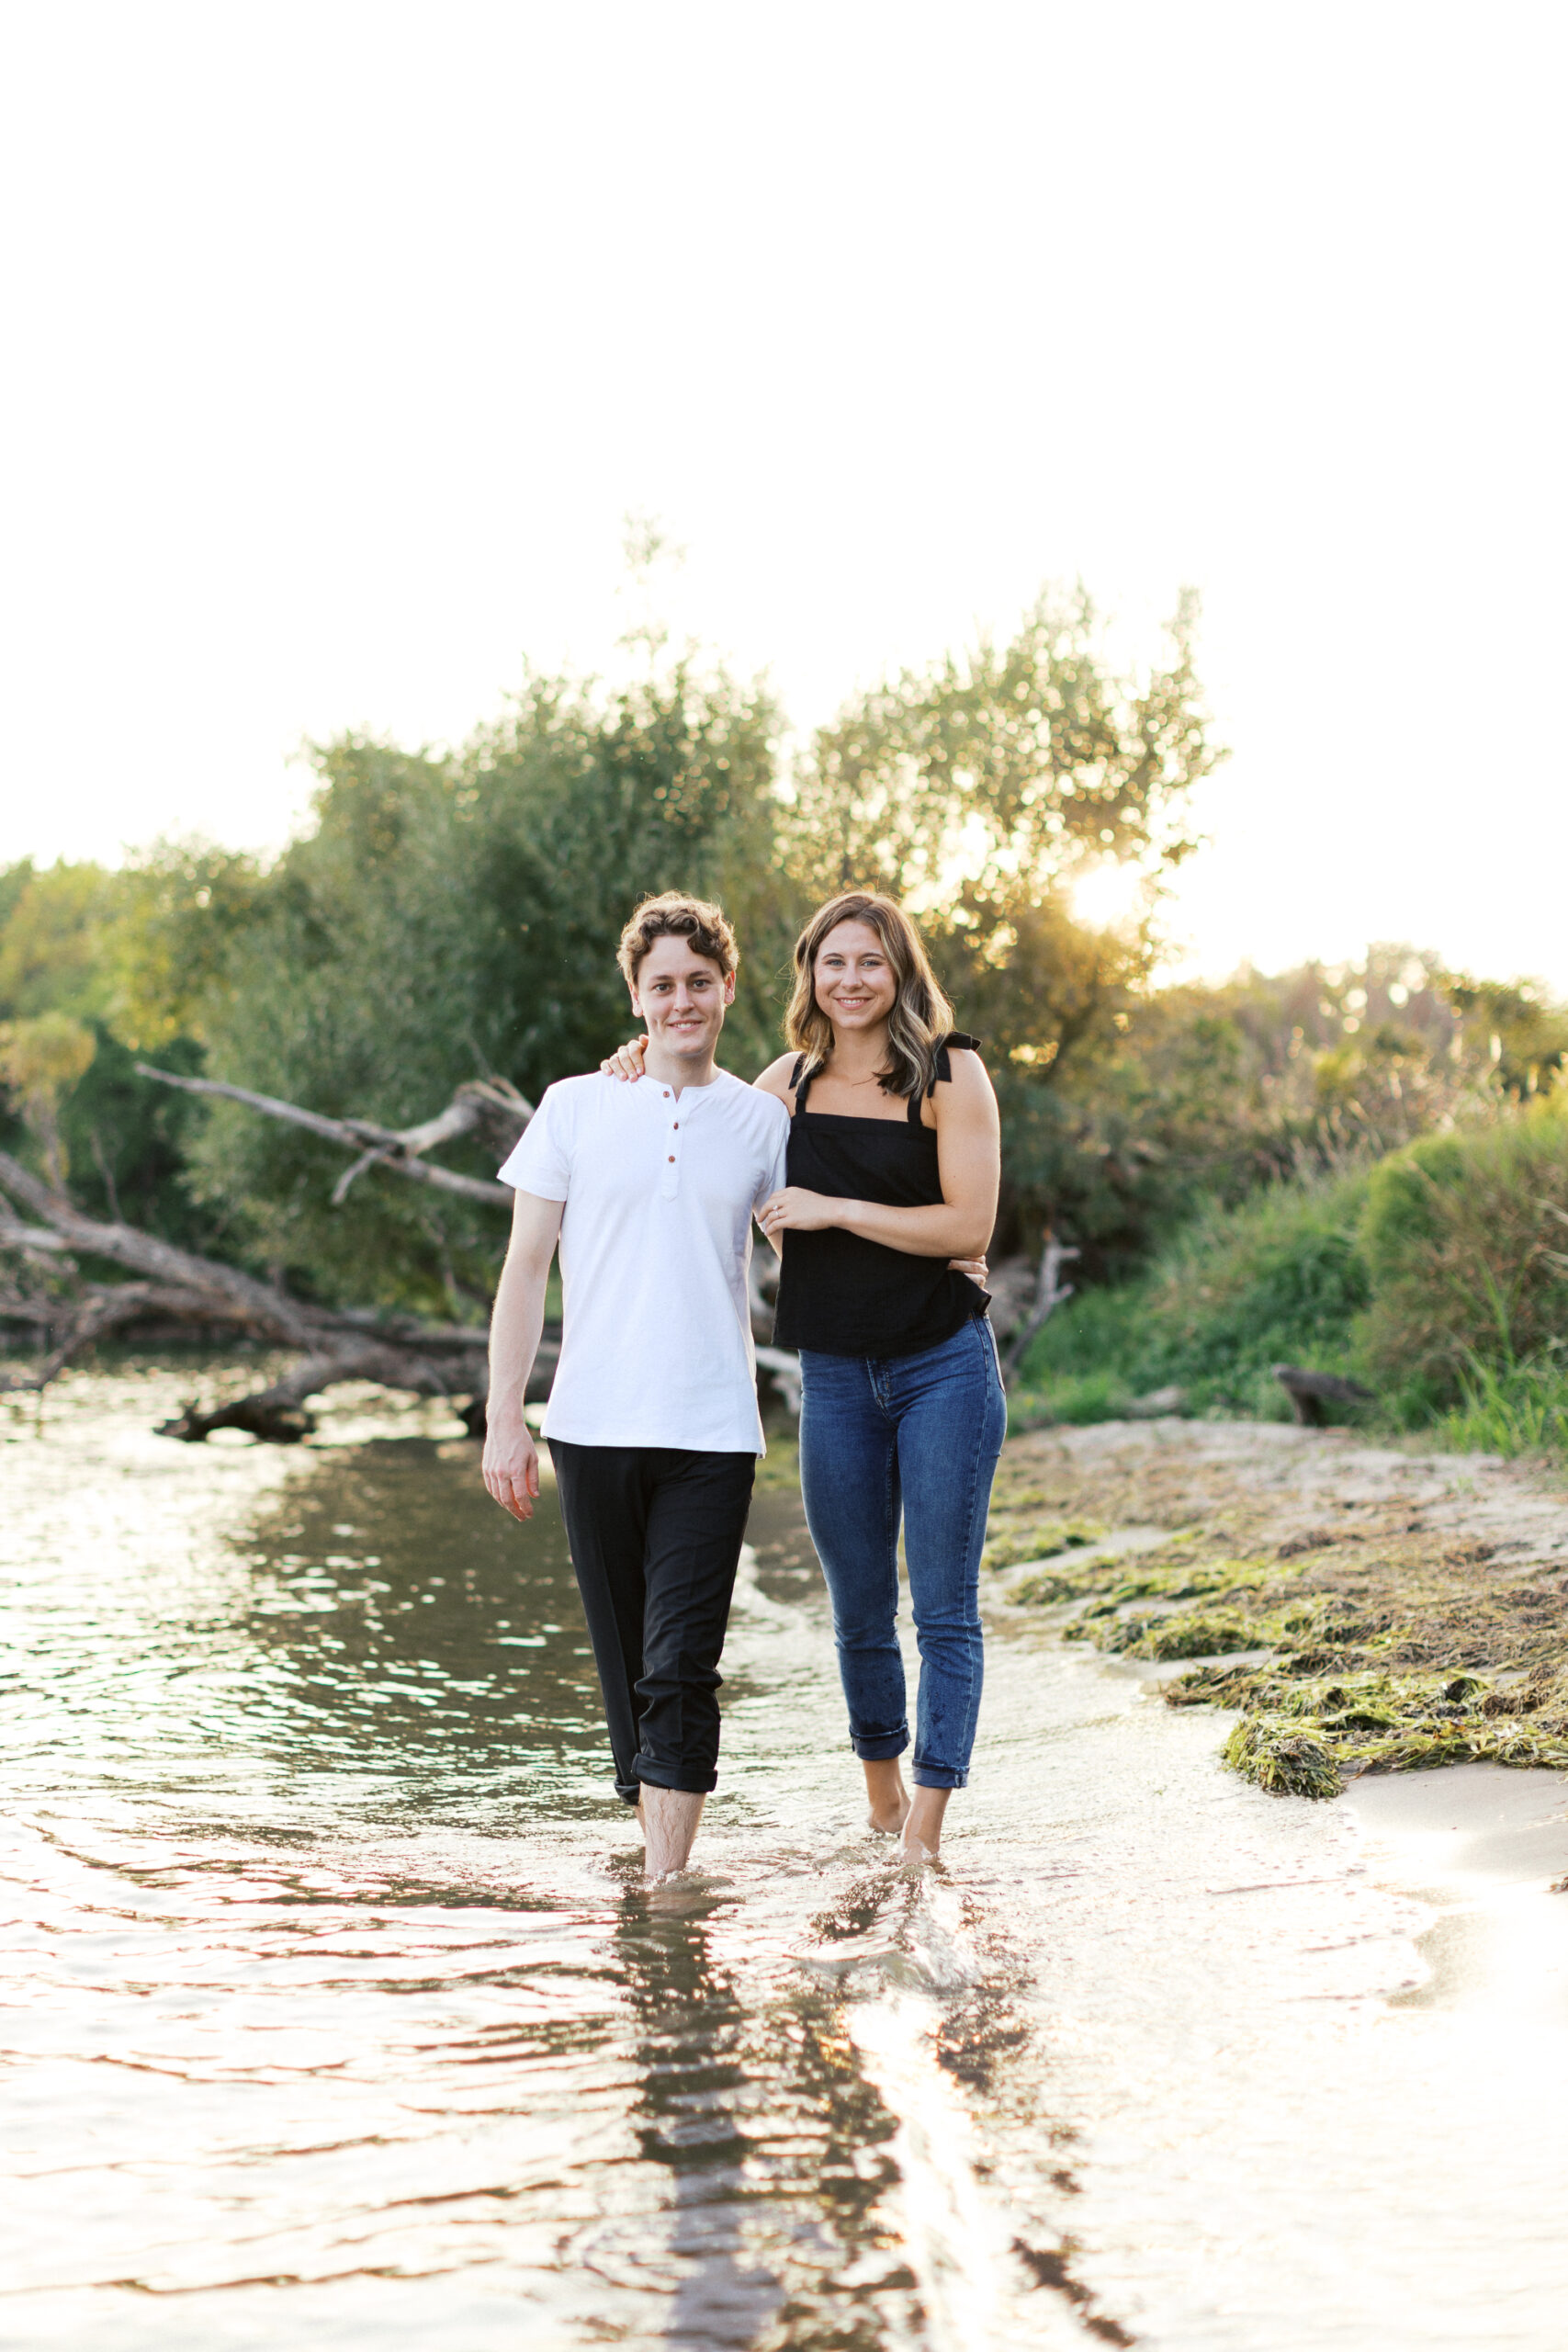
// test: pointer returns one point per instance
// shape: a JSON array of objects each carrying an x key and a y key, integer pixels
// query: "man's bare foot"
[
  {"x": 668, "y": 1818},
  {"x": 922, "y": 1825},
  {"x": 889, "y": 1798}
]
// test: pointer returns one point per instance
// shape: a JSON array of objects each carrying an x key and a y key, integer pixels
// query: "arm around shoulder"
[{"x": 775, "y": 1078}]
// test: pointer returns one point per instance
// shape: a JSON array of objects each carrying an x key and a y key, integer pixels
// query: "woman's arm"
[{"x": 968, "y": 1135}]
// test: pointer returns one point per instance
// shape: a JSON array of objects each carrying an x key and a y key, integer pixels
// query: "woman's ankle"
[
  {"x": 887, "y": 1798},
  {"x": 922, "y": 1825}
]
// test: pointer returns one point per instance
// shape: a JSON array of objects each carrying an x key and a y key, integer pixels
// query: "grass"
[
  {"x": 1510, "y": 1409},
  {"x": 1279, "y": 1279},
  {"x": 1441, "y": 1275}
]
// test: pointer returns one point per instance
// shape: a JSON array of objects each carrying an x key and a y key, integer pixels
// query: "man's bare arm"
[{"x": 511, "y": 1458}]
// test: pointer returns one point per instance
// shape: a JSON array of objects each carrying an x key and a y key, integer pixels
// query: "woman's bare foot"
[
  {"x": 887, "y": 1795},
  {"x": 922, "y": 1825}
]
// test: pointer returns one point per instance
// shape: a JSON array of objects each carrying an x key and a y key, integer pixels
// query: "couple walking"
[{"x": 869, "y": 1156}]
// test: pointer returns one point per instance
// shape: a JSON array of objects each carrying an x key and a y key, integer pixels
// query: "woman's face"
[{"x": 853, "y": 978}]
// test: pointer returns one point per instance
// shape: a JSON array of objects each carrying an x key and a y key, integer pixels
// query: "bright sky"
[{"x": 343, "y": 336}]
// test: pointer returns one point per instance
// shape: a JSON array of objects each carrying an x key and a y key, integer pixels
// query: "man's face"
[{"x": 681, "y": 996}]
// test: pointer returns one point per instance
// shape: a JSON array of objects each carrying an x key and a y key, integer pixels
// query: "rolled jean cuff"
[
  {"x": 878, "y": 1747},
  {"x": 938, "y": 1776},
  {"x": 684, "y": 1780}
]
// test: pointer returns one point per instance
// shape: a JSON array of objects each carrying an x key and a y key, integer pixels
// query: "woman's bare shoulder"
[
  {"x": 775, "y": 1078},
  {"x": 968, "y": 1088}
]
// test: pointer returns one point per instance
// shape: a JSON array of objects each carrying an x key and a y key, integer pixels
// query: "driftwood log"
[
  {"x": 1310, "y": 1390},
  {"x": 170, "y": 1284}
]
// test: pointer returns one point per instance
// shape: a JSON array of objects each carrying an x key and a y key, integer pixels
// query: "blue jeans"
[{"x": 916, "y": 1437}]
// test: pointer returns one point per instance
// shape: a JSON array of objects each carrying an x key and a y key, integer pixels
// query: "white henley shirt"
[{"x": 655, "y": 1242}]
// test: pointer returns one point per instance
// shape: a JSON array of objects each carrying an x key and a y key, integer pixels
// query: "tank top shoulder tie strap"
[{"x": 942, "y": 1069}]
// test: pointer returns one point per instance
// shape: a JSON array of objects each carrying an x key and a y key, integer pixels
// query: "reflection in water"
[
  {"x": 415, "y": 1633},
  {"x": 753, "y": 2116},
  {"x": 337, "y": 2010}
]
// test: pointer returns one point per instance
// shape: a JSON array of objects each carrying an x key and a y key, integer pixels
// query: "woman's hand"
[
  {"x": 976, "y": 1268},
  {"x": 795, "y": 1210},
  {"x": 626, "y": 1060}
]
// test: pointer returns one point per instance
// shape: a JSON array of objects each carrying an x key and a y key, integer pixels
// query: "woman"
[{"x": 894, "y": 1165}]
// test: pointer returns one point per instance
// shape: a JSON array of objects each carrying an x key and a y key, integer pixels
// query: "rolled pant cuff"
[
  {"x": 687, "y": 1781},
  {"x": 880, "y": 1747},
  {"x": 938, "y": 1776}
]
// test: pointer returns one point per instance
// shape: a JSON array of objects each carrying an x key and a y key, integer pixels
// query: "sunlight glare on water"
[{"x": 336, "y": 2010}]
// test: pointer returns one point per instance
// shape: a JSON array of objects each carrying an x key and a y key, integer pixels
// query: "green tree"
[
  {"x": 183, "y": 908},
  {"x": 40, "y": 1061},
  {"x": 981, "y": 792},
  {"x": 454, "y": 918},
  {"x": 56, "y": 922}
]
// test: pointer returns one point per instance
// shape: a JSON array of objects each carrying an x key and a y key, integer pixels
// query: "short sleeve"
[
  {"x": 540, "y": 1161},
  {"x": 776, "y": 1170}
]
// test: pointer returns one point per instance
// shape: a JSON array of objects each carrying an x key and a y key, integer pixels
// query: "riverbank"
[{"x": 1364, "y": 1610}]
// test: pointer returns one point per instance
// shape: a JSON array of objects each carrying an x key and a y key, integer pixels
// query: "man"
[{"x": 652, "y": 1421}]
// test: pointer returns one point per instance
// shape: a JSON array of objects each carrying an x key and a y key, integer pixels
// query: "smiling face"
[
  {"x": 853, "y": 978},
  {"x": 681, "y": 996}
]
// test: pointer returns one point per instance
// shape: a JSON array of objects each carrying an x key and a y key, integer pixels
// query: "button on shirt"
[{"x": 659, "y": 1190}]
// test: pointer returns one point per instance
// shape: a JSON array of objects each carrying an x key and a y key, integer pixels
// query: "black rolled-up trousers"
[{"x": 655, "y": 1533}]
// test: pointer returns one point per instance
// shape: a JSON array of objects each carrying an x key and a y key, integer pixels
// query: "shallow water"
[{"x": 336, "y": 2012}]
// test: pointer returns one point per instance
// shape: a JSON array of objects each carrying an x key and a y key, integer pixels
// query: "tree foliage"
[
  {"x": 449, "y": 916},
  {"x": 1466, "y": 1237}
]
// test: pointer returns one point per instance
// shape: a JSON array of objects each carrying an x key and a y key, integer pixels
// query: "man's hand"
[
  {"x": 511, "y": 1469},
  {"x": 795, "y": 1210},
  {"x": 510, "y": 1457}
]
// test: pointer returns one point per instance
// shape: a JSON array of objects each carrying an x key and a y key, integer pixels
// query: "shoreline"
[{"x": 1358, "y": 1611}]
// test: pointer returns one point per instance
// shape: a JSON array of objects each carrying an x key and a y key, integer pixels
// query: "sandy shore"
[
  {"x": 1450, "y": 1562},
  {"x": 1271, "y": 1483}
]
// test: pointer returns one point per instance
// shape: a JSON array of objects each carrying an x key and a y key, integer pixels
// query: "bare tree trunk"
[
  {"x": 1050, "y": 1292},
  {"x": 484, "y": 1106},
  {"x": 270, "y": 1311},
  {"x": 429, "y": 1360}
]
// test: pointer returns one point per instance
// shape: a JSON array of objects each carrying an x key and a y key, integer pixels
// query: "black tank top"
[{"x": 844, "y": 1295}]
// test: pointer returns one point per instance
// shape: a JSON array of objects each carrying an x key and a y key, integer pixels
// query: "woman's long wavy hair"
[{"x": 921, "y": 1015}]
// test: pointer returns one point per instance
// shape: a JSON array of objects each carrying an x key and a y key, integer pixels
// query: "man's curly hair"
[{"x": 673, "y": 915}]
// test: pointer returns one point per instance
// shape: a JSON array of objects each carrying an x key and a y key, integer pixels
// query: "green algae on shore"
[{"x": 1376, "y": 1644}]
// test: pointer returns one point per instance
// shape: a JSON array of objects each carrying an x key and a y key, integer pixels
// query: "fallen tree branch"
[
  {"x": 278, "y": 1415},
  {"x": 1310, "y": 1390},
  {"x": 30, "y": 1239},
  {"x": 429, "y": 1360},
  {"x": 1049, "y": 1294},
  {"x": 271, "y": 1312},
  {"x": 782, "y": 1366},
  {"x": 105, "y": 1309},
  {"x": 487, "y": 1105}
]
